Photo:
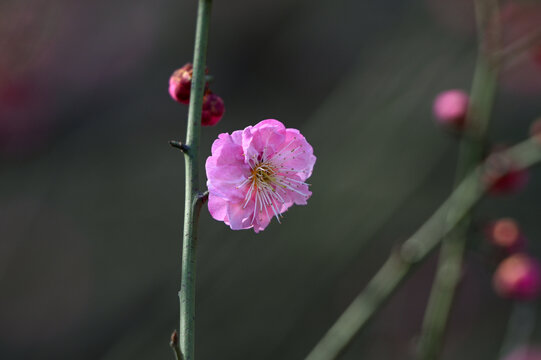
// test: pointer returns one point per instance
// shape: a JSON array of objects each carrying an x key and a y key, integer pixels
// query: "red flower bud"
[
  {"x": 450, "y": 108},
  {"x": 512, "y": 181},
  {"x": 505, "y": 234},
  {"x": 518, "y": 277},
  {"x": 213, "y": 109},
  {"x": 502, "y": 176},
  {"x": 180, "y": 84}
]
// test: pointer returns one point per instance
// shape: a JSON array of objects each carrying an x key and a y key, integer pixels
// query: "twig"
[
  {"x": 193, "y": 200},
  {"x": 178, "y": 145},
  {"x": 413, "y": 251},
  {"x": 520, "y": 326}
]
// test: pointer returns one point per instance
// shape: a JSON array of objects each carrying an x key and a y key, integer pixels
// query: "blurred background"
[{"x": 91, "y": 194}]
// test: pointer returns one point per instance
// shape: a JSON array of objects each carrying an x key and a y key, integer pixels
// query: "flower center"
[
  {"x": 263, "y": 183},
  {"x": 263, "y": 173},
  {"x": 270, "y": 183}
]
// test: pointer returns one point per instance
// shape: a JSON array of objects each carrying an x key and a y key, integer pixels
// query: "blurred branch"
[
  {"x": 193, "y": 197},
  {"x": 520, "y": 327},
  {"x": 472, "y": 145},
  {"x": 414, "y": 250}
]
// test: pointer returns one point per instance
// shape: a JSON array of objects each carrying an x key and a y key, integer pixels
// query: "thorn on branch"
[{"x": 177, "y": 144}]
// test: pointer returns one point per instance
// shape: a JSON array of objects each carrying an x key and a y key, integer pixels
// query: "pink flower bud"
[
  {"x": 518, "y": 277},
  {"x": 180, "y": 84},
  {"x": 502, "y": 176},
  {"x": 450, "y": 108},
  {"x": 213, "y": 109},
  {"x": 505, "y": 234}
]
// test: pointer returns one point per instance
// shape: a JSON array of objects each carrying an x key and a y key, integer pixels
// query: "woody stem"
[{"x": 193, "y": 198}]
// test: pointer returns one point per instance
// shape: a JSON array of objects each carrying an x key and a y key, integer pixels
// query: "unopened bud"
[
  {"x": 213, "y": 109},
  {"x": 503, "y": 176},
  {"x": 506, "y": 235},
  {"x": 518, "y": 277},
  {"x": 180, "y": 84},
  {"x": 450, "y": 108}
]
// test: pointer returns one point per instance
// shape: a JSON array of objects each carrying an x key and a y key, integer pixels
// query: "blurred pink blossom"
[
  {"x": 518, "y": 277},
  {"x": 519, "y": 21},
  {"x": 25, "y": 121},
  {"x": 256, "y": 173},
  {"x": 57, "y": 53},
  {"x": 450, "y": 108},
  {"x": 506, "y": 235},
  {"x": 525, "y": 353}
]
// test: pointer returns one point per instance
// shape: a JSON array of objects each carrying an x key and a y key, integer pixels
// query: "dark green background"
[{"x": 91, "y": 194}]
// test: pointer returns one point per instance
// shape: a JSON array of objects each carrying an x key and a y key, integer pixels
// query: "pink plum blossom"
[{"x": 257, "y": 173}]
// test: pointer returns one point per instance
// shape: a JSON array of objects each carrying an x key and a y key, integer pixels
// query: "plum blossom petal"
[
  {"x": 225, "y": 168},
  {"x": 218, "y": 208},
  {"x": 302, "y": 159},
  {"x": 258, "y": 173}
]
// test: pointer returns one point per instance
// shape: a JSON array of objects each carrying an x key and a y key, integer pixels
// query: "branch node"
[
  {"x": 177, "y": 144},
  {"x": 174, "y": 345},
  {"x": 203, "y": 197},
  {"x": 174, "y": 338},
  {"x": 409, "y": 252}
]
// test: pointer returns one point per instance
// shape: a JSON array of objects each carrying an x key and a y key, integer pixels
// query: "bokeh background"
[{"x": 91, "y": 194}]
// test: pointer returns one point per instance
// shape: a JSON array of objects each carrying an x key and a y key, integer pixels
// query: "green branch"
[
  {"x": 193, "y": 198},
  {"x": 446, "y": 218}
]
